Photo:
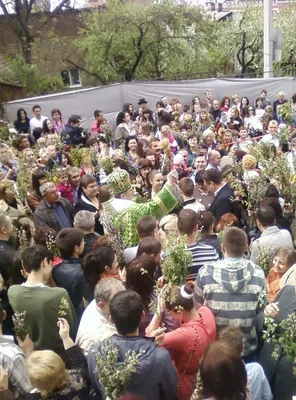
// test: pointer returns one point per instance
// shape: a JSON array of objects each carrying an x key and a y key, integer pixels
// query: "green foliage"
[
  {"x": 285, "y": 111},
  {"x": 20, "y": 327},
  {"x": 282, "y": 335},
  {"x": 114, "y": 378},
  {"x": 265, "y": 257},
  {"x": 63, "y": 307},
  {"x": 4, "y": 133},
  {"x": 30, "y": 76},
  {"x": 177, "y": 262},
  {"x": 128, "y": 42}
]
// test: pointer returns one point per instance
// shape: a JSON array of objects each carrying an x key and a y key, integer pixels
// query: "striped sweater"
[
  {"x": 230, "y": 289},
  {"x": 202, "y": 254}
]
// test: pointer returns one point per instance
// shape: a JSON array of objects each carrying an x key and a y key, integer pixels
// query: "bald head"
[{"x": 214, "y": 158}]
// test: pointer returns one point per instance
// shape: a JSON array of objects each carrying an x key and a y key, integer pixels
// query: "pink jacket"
[{"x": 65, "y": 191}]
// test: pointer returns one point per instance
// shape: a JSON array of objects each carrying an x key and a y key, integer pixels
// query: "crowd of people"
[{"x": 89, "y": 217}]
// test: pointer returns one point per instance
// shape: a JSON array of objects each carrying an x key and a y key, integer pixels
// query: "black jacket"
[
  {"x": 69, "y": 275},
  {"x": 85, "y": 204},
  {"x": 89, "y": 241},
  {"x": 43, "y": 215},
  {"x": 23, "y": 127},
  {"x": 279, "y": 371},
  {"x": 7, "y": 252},
  {"x": 72, "y": 136},
  {"x": 223, "y": 203}
]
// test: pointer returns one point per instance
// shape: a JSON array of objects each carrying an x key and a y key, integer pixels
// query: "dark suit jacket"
[
  {"x": 223, "y": 203},
  {"x": 276, "y": 103}
]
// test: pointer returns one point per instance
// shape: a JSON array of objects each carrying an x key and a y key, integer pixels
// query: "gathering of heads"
[{"x": 151, "y": 257}]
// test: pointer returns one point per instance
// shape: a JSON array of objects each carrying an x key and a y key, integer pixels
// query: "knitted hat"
[{"x": 119, "y": 181}]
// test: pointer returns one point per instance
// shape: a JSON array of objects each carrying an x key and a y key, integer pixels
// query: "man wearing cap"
[{"x": 125, "y": 221}]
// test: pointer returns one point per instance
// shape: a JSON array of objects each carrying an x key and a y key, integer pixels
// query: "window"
[{"x": 71, "y": 77}]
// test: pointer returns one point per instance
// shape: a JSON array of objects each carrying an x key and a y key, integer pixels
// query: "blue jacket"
[{"x": 155, "y": 378}]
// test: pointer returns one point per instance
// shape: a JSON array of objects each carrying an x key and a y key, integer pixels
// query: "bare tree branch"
[{"x": 84, "y": 70}]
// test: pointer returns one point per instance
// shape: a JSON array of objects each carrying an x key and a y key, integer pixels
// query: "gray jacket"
[
  {"x": 43, "y": 215},
  {"x": 270, "y": 240}
]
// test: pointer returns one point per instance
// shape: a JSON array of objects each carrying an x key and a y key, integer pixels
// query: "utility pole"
[{"x": 268, "y": 39}]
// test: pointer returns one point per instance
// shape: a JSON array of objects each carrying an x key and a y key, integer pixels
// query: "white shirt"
[
  {"x": 94, "y": 326},
  {"x": 36, "y": 123},
  {"x": 271, "y": 139},
  {"x": 196, "y": 206},
  {"x": 130, "y": 253},
  {"x": 209, "y": 166}
]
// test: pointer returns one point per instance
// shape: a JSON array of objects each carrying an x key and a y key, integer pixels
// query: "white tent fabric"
[{"x": 110, "y": 99}]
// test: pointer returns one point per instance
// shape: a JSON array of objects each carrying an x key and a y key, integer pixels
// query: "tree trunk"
[{"x": 27, "y": 50}]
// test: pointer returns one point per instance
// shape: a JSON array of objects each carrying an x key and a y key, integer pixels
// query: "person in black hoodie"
[
  {"x": 73, "y": 133},
  {"x": 155, "y": 377}
]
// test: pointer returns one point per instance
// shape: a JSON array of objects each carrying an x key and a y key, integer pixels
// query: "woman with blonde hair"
[
  {"x": 47, "y": 371},
  {"x": 168, "y": 227},
  {"x": 208, "y": 139}
]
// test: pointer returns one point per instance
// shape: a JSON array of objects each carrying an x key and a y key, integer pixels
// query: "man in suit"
[
  {"x": 279, "y": 102},
  {"x": 224, "y": 195}
]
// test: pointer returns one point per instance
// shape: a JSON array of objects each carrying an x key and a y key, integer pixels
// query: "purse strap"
[{"x": 190, "y": 358}]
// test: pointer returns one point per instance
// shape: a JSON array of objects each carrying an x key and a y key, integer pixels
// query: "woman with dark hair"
[
  {"x": 143, "y": 146},
  {"x": 225, "y": 103},
  {"x": 89, "y": 200},
  {"x": 251, "y": 121},
  {"x": 142, "y": 183},
  {"x": 129, "y": 108},
  {"x": 223, "y": 373},
  {"x": 34, "y": 198},
  {"x": 151, "y": 247},
  {"x": 47, "y": 127},
  {"x": 187, "y": 343},
  {"x": 57, "y": 122},
  {"x": 206, "y": 226},
  {"x": 66, "y": 160},
  {"x": 99, "y": 264},
  {"x": 22, "y": 123},
  {"x": 195, "y": 100},
  {"x": 131, "y": 149},
  {"x": 123, "y": 128},
  {"x": 243, "y": 103},
  {"x": 143, "y": 284}
]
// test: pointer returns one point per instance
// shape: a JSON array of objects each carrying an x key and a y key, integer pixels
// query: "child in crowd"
[
  {"x": 63, "y": 186},
  {"x": 244, "y": 141},
  {"x": 283, "y": 259}
]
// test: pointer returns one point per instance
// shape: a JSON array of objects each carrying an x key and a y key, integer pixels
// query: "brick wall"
[{"x": 55, "y": 43}]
